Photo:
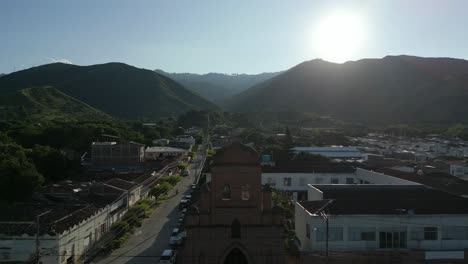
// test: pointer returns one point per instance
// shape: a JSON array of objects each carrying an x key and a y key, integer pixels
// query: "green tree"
[{"x": 18, "y": 176}]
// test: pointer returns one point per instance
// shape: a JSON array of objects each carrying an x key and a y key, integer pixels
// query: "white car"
[
  {"x": 175, "y": 241},
  {"x": 168, "y": 257}
]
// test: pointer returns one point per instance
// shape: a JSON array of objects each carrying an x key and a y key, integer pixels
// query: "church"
[{"x": 232, "y": 219}]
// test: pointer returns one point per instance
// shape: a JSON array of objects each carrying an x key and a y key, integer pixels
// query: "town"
[{"x": 207, "y": 194}]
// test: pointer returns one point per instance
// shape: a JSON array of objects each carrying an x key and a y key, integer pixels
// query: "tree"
[
  {"x": 49, "y": 162},
  {"x": 18, "y": 176}
]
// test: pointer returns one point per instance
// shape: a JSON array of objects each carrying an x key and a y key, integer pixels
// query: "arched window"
[
  {"x": 226, "y": 194},
  {"x": 245, "y": 192},
  {"x": 235, "y": 229}
]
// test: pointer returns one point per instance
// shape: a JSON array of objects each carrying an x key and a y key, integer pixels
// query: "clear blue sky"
[{"x": 220, "y": 35}]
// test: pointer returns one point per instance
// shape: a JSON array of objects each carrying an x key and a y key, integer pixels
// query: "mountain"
[
  {"x": 46, "y": 104},
  {"x": 2, "y": 74},
  {"x": 391, "y": 89},
  {"x": 218, "y": 86},
  {"x": 118, "y": 89}
]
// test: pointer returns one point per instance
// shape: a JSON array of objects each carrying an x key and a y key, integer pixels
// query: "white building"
[
  {"x": 187, "y": 139},
  {"x": 155, "y": 153},
  {"x": 295, "y": 180},
  {"x": 379, "y": 218},
  {"x": 458, "y": 169},
  {"x": 66, "y": 232}
]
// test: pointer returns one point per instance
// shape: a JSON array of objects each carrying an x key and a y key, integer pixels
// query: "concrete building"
[
  {"x": 232, "y": 219},
  {"x": 296, "y": 179},
  {"x": 117, "y": 155},
  {"x": 65, "y": 232},
  {"x": 413, "y": 222},
  {"x": 158, "y": 153}
]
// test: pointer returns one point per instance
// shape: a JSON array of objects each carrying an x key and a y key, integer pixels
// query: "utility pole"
[
  {"x": 38, "y": 253},
  {"x": 327, "y": 232}
]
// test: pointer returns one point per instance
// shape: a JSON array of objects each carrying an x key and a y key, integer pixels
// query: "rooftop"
[
  {"x": 122, "y": 184},
  {"x": 386, "y": 200},
  {"x": 164, "y": 149}
]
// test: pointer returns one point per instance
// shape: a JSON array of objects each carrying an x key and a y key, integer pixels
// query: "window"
[
  {"x": 245, "y": 192},
  {"x": 302, "y": 181},
  {"x": 335, "y": 181},
  {"x": 361, "y": 234},
  {"x": 430, "y": 233},
  {"x": 318, "y": 180},
  {"x": 287, "y": 182},
  {"x": 392, "y": 239},
  {"x": 349, "y": 180},
  {"x": 226, "y": 194},
  {"x": 455, "y": 233},
  {"x": 308, "y": 230},
  {"x": 235, "y": 229},
  {"x": 334, "y": 234}
]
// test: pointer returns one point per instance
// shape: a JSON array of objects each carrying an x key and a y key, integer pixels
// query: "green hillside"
[
  {"x": 46, "y": 104},
  {"x": 115, "y": 88}
]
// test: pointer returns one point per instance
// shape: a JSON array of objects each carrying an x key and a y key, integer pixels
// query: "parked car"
[
  {"x": 188, "y": 197},
  {"x": 168, "y": 257},
  {"x": 183, "y": 204},
  {"x": 186, "y": 173},
  {"x": 175, "y": 239}
]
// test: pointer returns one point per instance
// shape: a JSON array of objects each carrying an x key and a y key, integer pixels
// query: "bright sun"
[{"x": 339, "y": 36}]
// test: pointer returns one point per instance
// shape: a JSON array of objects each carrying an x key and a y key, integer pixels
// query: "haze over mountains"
[
  {"x": 389, "y": 90},
  {"x": 392, "y": 89},
  {"x": 118, "y": 89},
  {"x": 218, "y": 86}
]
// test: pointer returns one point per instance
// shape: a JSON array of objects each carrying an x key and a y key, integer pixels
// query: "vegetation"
[
  {"x": 115, "y": 88},
  {"x": 133, "y": 218},
  {"x": 361, "y": 91}
]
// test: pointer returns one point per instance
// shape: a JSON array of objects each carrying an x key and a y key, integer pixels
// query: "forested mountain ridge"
[
  {"x": 118, "y": 89},
  {"x": 391, "y": 89}
]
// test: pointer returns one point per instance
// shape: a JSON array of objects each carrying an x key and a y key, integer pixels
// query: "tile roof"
[{"x": 122, "y": 184}]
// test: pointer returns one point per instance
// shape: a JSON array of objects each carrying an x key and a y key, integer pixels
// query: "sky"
[{"x": 241, "y": 36}]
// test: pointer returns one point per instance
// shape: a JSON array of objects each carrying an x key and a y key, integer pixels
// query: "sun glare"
[{"x": 338, "y": 37}]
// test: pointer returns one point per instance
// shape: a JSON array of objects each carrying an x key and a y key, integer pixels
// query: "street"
[{"x": 148, "y": 242}]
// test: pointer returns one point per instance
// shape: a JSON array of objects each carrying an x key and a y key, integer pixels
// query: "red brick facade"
[{"x": 232, "y": 219}]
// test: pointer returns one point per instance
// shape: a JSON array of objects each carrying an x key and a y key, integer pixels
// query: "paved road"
[{"x": 148, "y": 242}]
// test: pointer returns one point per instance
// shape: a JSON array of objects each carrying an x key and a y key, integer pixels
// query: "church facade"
[{"x": 232, "y": 219}]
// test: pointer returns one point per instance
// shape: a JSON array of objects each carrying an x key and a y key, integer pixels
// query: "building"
[
  {"x": 458, "y": 169},
  {"x": 187, "y": 139},
  {"x": 66, "y": 232},
  {"x": 132, "y": 189},
  {"x": 158, "y": 153},
  {"x": 296, "y": 179},
  {"x": 232, "y": 219},
  {"x": 162, "y": 142},
  {"x": 413, "y": 223},
  {"x": 117, "y": 155},
  {"x": 332, "y": 152}
]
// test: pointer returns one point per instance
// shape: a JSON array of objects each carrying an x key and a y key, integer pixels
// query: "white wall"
[
  {"x": 313, "y": 194},
  {"x": 407, "y": 223},
  {"x": 309, "y": 178},
  {"x": 56, "y": 249}
]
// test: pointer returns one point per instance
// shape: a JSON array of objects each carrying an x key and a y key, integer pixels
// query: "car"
[
  {"x": 188, "y": 197},
  {"x": 175, "y": 241},
  {"x": 180, "y": 220},
  {"x": 168, "y": 257},
  {"x": 186, "y": 173},
  {"x": 194, "y": 186},
  {"x": 183, "y": 212},
  {"x": 183, "y": 204}
]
